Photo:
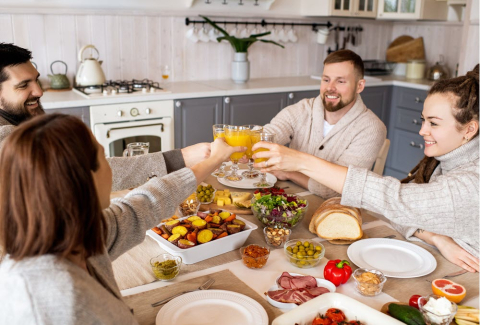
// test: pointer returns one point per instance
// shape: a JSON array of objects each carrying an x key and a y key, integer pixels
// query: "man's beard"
[
  {"x": 20, "y": 112},
  {"x": 332, "y": 107}
]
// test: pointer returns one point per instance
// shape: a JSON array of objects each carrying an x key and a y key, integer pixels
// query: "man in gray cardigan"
[
  {"x": 335, "y": 126},
  {"x": 20, "y": 99}
]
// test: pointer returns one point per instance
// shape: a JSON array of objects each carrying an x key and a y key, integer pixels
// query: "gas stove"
[{"x": 121, "y": 88}]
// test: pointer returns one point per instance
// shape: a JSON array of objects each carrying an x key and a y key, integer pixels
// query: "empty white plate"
[
  {"x": 212, "y": 307},
  {"x": 395, "y": 258}
]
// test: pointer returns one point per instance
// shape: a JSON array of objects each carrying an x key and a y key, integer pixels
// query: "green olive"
[
  {"x": 310, "y": 252},
  {"x": 318, "y": 248},
  {"x": 306, "y": 244},
  {"x": 289, "y": 248},
  {"x": 299, "y": 243}
]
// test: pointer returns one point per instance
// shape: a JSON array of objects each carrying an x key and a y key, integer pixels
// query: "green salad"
[{"x": 284, "y": 210}]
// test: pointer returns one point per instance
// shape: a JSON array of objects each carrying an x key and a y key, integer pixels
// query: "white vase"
[{"x": 240, "y": 68}]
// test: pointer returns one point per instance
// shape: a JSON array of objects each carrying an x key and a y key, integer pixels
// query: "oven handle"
[{"x": 136, "y": 126}]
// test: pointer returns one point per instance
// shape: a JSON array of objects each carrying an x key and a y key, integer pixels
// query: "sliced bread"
[{"x": 339, "y": 225}]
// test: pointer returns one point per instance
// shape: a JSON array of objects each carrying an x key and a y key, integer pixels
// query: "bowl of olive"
[
  {"x": 303, "y": 253},
  {"x": 205, "y": 193}
]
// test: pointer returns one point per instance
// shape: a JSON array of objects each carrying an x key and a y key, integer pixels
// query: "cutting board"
[
  {"x": 230, "y": 207},
  {"x": 400, "y": 40},
  {"x": 411, "y": 50}
]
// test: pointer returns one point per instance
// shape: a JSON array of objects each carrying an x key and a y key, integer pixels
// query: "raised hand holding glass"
[
  {"x": 219, "y": 132},
  {"x": 267, "y": 137},
  {"x": 236, "y": 136}
]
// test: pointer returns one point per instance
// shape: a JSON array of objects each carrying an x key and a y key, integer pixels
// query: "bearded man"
[
  {"x": 335, "y": 126},
  {"x": 20, "y": 100}
]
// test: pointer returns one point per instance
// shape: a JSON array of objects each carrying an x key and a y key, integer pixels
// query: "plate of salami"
[{"x": 293, "y": 289}]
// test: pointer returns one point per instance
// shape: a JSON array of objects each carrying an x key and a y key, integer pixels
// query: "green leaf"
[
  {"x": 266, "y": 41},
  {"x": 224, "y": 32},
  {"x": 260, "y": 35}
]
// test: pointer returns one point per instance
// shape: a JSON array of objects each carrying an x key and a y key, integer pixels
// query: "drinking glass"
[
  {"x": 219, "y": 132},
  {"x": 236, "y": 136},
  {"x": 165, "y": 72},
  {"x": 251, "y": 173},
  {"x": 267, "y": 137},
  {"x": 136, "y": 149}
]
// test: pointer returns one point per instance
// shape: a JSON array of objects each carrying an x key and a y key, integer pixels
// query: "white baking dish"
[{"x": 205, "y": 251}]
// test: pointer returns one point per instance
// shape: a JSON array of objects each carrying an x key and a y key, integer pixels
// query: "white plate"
[
  {"x": 282, "y": 305},
  {"x": 212, "y": 307},
  {"x": 353, "y": 310},
  {"x": 395, "y": 258},
  {"x": 246, "y": 183}
]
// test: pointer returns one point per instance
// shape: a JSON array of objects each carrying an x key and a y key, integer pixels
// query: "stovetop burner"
[{"x": 112, "y": 87}]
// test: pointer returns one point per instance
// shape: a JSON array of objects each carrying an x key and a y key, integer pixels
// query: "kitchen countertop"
[{"x": 219, "y": 88}]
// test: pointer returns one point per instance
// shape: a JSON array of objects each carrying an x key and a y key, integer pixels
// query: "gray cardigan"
[
  {"x": 127, "y": 172},
  {"x": 48, "y": 290},
  {"x": 355, "y": 140},
  {"x": 447, "y": 205}
]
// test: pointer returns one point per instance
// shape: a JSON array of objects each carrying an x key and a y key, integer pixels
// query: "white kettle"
[{"x": 90, "y": 72}]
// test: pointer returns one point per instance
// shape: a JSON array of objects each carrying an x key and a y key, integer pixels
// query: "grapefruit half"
[{"x": 448, "y": 289}]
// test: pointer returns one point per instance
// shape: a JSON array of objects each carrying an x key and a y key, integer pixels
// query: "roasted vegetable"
[
  {"x": 157, "y": 230},
  {"x": 185, "y": 243},
  {"x": 199, "y": 224},
  {"x": 202, "y": 215},
  {"x": 224, "y": 215},
  {"x": 180, "y": 230},
  {"x": 233, "y": 229},
  {"x": 240, "y": 223},
  {"x": 165, "y": 230},
  {"x": 174, "y": 238},
  {"x": 204, "y": 236},
  {"x": 193, "y": 218},
  {"x": 230, "y": 218},
  {"x": 171, "y": 224},
  {"x": 216, "y": 219},
  {"x": 216, "y": 231}
]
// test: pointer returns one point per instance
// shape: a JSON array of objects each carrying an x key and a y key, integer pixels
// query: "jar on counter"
[{"x": 415, "y": 69}]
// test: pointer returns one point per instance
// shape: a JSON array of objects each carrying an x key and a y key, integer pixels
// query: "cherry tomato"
[
  {"x": 321, "y": 321},
  {"x": 335, "y": 315},
  {"x": 414, "y": 301},
  {"x": 354, "y": 322}
]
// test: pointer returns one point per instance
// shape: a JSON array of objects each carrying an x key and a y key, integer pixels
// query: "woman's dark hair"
[
  {"x": 49, "y": 200},
  {"x": 465, "y": 90}
]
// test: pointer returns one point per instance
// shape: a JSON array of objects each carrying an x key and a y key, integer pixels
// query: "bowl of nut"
[
  {"x": 303, "y": 253},
  {"x": 276, "y": 237},
  {"x": 189, "y": 207},
  {"x": 369, "y": 282}
]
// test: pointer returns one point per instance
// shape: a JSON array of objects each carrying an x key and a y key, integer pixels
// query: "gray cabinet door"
[
  {"x": 194, "y": 119},
  {"x": 82, "y": 112},
  {"x": 252, "y": 109},
  {"x": 296, "y": 96},
  {"x": 378, "y": 99}
]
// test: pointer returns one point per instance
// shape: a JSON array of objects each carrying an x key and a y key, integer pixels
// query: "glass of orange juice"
[
  {"x": 236, "y": 136},
  {"x": 219, "y": 132},
  {"x": 251, "y": 173},
  {"x": 266, "y": 137}
]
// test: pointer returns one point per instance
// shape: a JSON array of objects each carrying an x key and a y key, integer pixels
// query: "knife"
[{"x": 451, "y": 275}]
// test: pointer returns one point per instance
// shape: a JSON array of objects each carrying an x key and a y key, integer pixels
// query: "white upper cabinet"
[
  {"x": 413, "y": 9},
  {"x": 341, "y": 8}
]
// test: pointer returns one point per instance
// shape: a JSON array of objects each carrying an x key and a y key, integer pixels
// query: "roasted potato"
[{"x": 185, "y": 243}]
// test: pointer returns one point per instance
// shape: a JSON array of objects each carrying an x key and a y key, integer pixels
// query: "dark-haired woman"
[
  {"x": 59, "y": 231},
  {"x": 439, "y": 202}
]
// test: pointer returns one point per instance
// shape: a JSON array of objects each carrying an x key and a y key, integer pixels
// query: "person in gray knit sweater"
[
  {"x": 20, "y": 96},
  {"x": 335, "y": 126},
  {"x": 59, "y": 230},
  {"x": 439, "y": 201}
]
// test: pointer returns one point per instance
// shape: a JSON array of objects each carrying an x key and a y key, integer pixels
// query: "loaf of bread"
[{"x": 335, "y": 221}]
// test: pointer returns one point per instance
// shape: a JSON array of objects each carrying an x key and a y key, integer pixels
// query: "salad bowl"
[{"x": 285, "y": 210}]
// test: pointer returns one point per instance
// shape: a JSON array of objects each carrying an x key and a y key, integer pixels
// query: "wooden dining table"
[{"x": 139, "y": 288}]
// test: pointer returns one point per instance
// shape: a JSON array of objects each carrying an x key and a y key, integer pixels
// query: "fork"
[
  {"x": 204, "y": 286},
  {"x": 451, "y": 275}
]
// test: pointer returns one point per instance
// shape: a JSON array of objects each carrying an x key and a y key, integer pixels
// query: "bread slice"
[
  {"x": 321, "y": 208},
  {"x": 339, "y": 224}
]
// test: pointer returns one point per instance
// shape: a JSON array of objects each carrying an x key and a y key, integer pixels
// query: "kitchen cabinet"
[
  {"x": 82, "y": 112},
  {"x": 296, "y": 96},
  {"x": 378, "y": 99},
  {"x": 406, "y": 144},
  {"x": 412, "y": 9},
  {"x": 342, "y": 8},
  {"x": 252, "y": 109},
  {"x": 194, "y": 119}
]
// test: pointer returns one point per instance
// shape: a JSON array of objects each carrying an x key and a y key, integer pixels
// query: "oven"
[{"x": 117, "y": 125}]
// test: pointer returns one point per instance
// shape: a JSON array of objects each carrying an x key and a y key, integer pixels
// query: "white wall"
[{"x": 135, "y": 46}]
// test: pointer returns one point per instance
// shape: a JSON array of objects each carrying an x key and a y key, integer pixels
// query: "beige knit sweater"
[
  {"x": 355, "y": 140},
  {"x": 447, "y": 205}
]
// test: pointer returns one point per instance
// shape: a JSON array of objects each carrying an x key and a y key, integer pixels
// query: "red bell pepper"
[{"x": 338, "y": 272}]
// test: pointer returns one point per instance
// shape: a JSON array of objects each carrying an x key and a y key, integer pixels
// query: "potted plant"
[{"x": 240, "y": 64}]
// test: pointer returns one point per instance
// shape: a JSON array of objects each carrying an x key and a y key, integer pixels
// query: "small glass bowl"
[
  {"x": 431, "y": 318},
  {"x": 276, "y": 237},
  {"x": 367, "y": 284},
  {"x": 255, "y": 262},
  {"x": 189, "y": 207},
  {"x": 208, "y": 202},
  {"x": 166, "y": 267},
  {"x": 301, "y": 257}
]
